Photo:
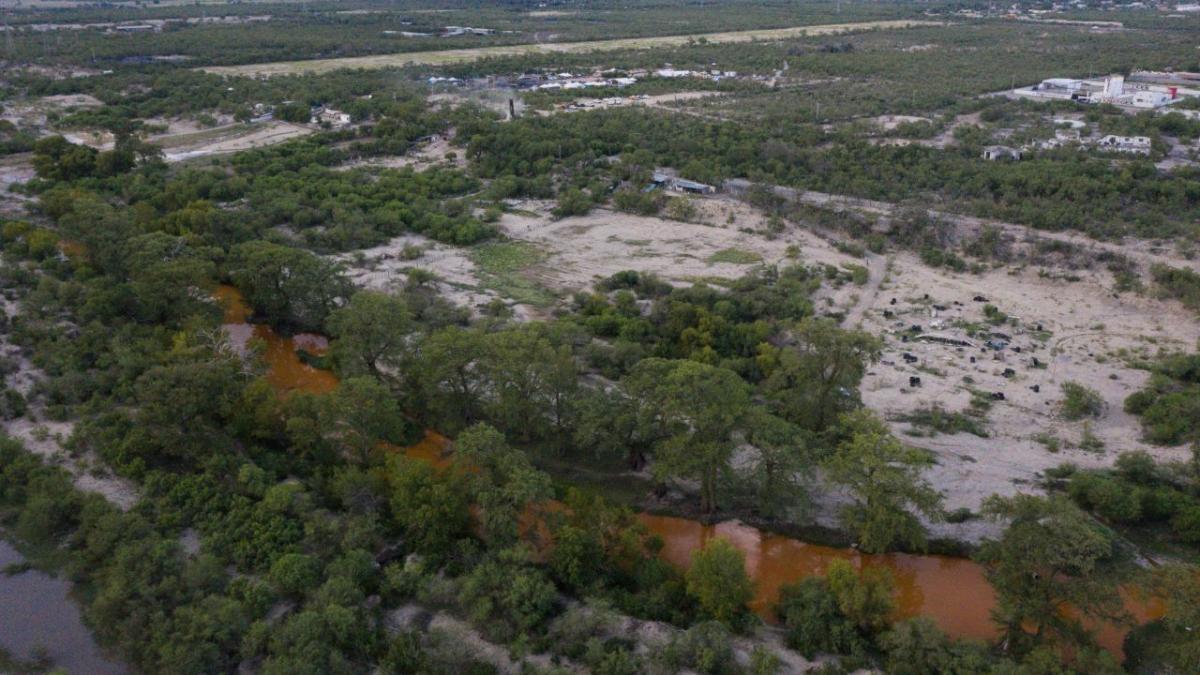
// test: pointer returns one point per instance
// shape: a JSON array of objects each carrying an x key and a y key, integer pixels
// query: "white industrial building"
[{"x": 1140, "y": 91}]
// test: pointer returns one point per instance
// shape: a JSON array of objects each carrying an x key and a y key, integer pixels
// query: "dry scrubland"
[
  {"x": 447, "y": 56},
  {"x": 1089, "y": 334}
]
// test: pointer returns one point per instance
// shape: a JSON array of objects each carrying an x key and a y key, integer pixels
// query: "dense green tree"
[
  {"x": 431, "y": 507},
  {"x": 783, "y": 463},
  {"x": 507, "y": 595},
  {"x": 502, "y": 482},
  {"x": 702, "y": 407},
  {"x": 815, "y": 625},
  {"x": 452, "y": 381},
  {"x": 361, "y": 414},
  {"x": 295, "y": 574},
  {"x": 372, "y": 333},
  {"x": 169, "y": 278},
  {"x": 864, "y": 597},
  {"x": 56, "y": 158},
  {"x": 530, "y": 379},
  {"x": 817, "y": 379},
  {"x": 884, "y": 478},
  {"x": 1051, "y": 557},
  {"x": 287, "y": 285},
  {"x": 183, "y": 407}
]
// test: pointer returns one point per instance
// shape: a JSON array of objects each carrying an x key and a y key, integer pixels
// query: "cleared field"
[{"x": 447, "y": 56}]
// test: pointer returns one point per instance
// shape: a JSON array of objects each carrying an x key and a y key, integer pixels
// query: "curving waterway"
[{"x": 953, "y": 592}]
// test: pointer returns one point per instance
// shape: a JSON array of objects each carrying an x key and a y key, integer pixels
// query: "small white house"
[
  {"x": 994, "y": 153},
  {"x": 1139, "y": 145}
]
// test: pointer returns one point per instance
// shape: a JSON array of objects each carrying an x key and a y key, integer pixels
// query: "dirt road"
[{"x": 448, "y": 56}]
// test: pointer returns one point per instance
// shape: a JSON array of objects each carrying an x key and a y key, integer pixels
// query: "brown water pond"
[
  {"x": 953, "y": 592},
  {"x": 285, "y": 370}
]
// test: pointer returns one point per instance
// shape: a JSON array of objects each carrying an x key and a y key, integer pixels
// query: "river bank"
[{"x": 953, "y": 591}]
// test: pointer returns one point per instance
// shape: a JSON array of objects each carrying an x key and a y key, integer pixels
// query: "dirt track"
[{"x": 447, "y": 56}]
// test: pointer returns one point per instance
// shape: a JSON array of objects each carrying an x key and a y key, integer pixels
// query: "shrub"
[
  {"x": 864, "y": 598},
  {"x": 1186, "y": 524},
  {"x": 572, "y": 202},
  {"x": 717, "y": 580},
  {"x": 915, "y": 647},
  {"x": 814, "y": 623},
  {"x": 705, "y": 647},
  {"x": 295, "y": 574},
  {"x": 1080, "y": 401},
  {"x": 506, "y": 596},
  {"x": 1137, "y": 467}
]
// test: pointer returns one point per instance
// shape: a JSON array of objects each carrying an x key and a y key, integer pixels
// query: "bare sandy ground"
[
  {"x": 1092, "y": 338},
  {"x": 426, "y": 155},
  {"x": 582, "y": 250},
  {"x": 33, "y": 112},
  {"x": 666, "y": 101},
  {"x": 449, "y": 56},
  {"x": 579, "y": 251},
  {"x": 890, "y": 122},
  {"x": 14, "y": 169},
  {"x": 183, "y": 139},
  {"x": 227, "y": 139},
  {"x": 458, "y": 280}
]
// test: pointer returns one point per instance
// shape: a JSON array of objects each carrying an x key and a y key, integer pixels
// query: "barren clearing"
[
  {"x": 220, "y": 140},
  {"x": 582, "y": 250},
  {"x": 1088, "y": 336},
  {"x": 448, "y": 56},
  {"x": 419, "y": 158}
]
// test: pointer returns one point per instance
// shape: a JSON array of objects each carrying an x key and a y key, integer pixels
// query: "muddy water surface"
[{"x": 285, "y": 370}]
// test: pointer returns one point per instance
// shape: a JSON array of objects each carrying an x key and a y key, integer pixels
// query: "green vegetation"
[
  {"x": 1156, "y": 505},
  {"x": 940, "y": 421},
  {"x": 1051, "y": 556},
  {"x": 735, "y": 256},
  {"x": 1080, "y": 401},
  {"x": 505, "y": 266},
  {"x": 325, "y": 548},
  {"x": 1168, "y": 403},
  {"x": 884, "y": 478},
  {"x": 717, "y": 579}
]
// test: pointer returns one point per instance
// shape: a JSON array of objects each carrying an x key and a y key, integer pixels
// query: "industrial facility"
[{"x": 1142, "y": 90}]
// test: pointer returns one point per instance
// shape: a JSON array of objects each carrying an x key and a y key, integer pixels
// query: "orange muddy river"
[
  {"x": 285, "y": 370},
  {"x": 953, "y": 592}
]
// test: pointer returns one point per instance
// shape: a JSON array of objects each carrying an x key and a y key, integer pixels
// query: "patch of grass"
[
  {"x": 937, "y": 420},
  {"x": 1089, "y": 441},
  {"x": 735, "y": 256},
  {"x": 858, "y": 274},
  {"x": 502, "y": 266},
  {"x": 960, "y": 515},
  {"x": 711, "y": 281},
  {"x": 13, "y": 569},
  {"x": 1049, "y": 441}
]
